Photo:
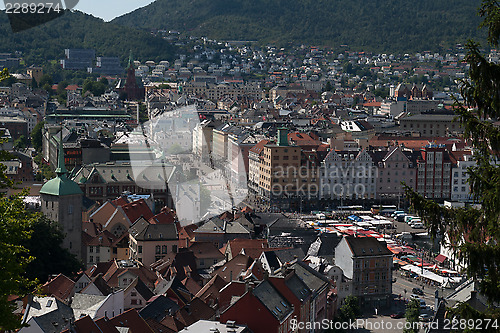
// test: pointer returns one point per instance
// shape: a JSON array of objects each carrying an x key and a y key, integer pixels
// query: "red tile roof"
[
  {"x": 172, "y": 323},
  {"x": 132, "y": 320},
  {"x": 104, "y": 238},
  {"x": 194, "y": 311},
  {"x": 87, "y": 325},
  {"x": 60, "y": 287},
  {"x": 136, "y": 209},
  {"x": 259, "y": 146},
  {"x": 234, "y": 267},
  {"x": 166, "y": 216},
  {"x": 120, "y": 201},
  {"x": 211, "y": 288},
  {"x": 203, "y": 250},
  {"x": 236, "y": 245}
]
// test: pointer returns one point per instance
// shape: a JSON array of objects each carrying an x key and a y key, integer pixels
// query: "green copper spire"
[
  {"x": 130, "y": 60},
  {"x": 61, "y": 185},
  {"x": 61, "y": 167}
]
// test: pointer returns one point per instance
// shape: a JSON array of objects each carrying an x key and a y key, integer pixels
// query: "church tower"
[
  {"x": 133, "y": 86},
  {"x": 61, "y": 201}
]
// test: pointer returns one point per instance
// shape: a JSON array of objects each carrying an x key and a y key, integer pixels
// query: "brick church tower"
[{"x": 133, "y": 87}]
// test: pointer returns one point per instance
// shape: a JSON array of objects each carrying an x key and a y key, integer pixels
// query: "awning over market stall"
[
  {"x": 425, "y": 274},
  {"x": 441, "y": 258}
]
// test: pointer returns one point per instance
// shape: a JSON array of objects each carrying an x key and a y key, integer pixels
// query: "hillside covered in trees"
[
  {"x": 79, "y": 30},
  {"x": 377, "y": 25}
]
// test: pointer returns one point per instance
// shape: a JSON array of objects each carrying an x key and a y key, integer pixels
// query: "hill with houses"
[{"x": 380, "y": 25}]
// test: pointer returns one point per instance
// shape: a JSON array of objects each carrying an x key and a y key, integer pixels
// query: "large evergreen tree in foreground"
[{"x": 474, "y": 234}]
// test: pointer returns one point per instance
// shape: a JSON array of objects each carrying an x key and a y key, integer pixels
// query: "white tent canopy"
[{"x": 425, "y": 273}]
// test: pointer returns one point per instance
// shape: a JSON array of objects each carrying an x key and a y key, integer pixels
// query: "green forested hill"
[
  {"x": 386, "y": 25},
  {"x": 78, "y": 30}
]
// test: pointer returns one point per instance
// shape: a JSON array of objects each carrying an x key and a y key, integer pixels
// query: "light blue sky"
[
  {"x": 105, "y": 9},
  {"x": 109, "y": 9}
]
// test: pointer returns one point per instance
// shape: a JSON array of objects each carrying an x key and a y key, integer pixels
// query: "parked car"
[
  {"x": 408, "y": 218},
  {"x": 401, "y": 217},
  {"x": 417, "y": 225},
  {"x": 424, "y": 317},
  {"x": 398, "y": 315},
  {"x": 417, "y": 291},
  {"x": 396, "y": 213}
]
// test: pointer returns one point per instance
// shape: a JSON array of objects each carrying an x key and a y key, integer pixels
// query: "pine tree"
[{"x": 474, "y": 234}]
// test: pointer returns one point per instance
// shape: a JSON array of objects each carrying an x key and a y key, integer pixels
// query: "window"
[
  {"x": 164, "y": 249},
  {"x": 91, "y": 249},
  {"x": 70, "y": 209},
  {"x": 157, "y": 249},
  {"x": 91, "y": 259},
  {"x": 97, "y": 249},
  {"x": 140, "y": 249},
  {"x": 174, "y": 248}
]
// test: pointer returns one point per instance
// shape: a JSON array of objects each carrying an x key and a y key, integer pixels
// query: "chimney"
[{"x": 249, "y": 285}]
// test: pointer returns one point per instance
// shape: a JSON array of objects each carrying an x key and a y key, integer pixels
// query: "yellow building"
[{"x": 289, "y": 177}]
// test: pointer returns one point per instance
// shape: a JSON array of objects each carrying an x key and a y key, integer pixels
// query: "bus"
[{"x": 384, "y": 209}]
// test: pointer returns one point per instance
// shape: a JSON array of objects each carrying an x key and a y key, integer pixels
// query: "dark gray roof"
[
  {"x": 272, "y": 300},
  {"x": 159, "y": 308},
  {"x": 267, "y": 218},
  {"x": 54, "y": 322},
  {"x": 324, "y": 245},
  {"x": 216, "y": 225},
  {"x": 429, "y": 117},
  {"x": 142, "y": 289},
  {"x": 289, "y": 255},
  {"x": 50, "y": 314},
  {"x": 298, "y": 287},
  {"x": 143, "y": 230},
  {"x": 315, "y": 281},
  {"x": 367, "y": 246},
  {"x": 286, "y": 232}
]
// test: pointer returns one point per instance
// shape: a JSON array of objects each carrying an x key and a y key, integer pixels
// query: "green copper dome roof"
[{"x": 61, "y": 185}]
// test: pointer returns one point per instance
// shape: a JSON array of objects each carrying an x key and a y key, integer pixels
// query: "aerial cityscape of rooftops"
[{"x": 240, "y": 186}]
